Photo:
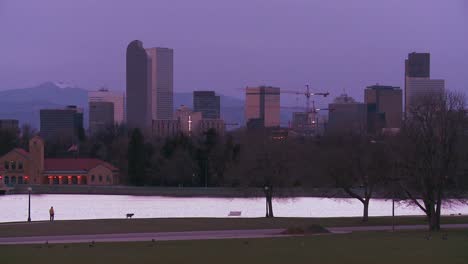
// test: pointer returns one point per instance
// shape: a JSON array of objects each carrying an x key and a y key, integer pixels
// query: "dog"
[{"x": 130, "y": 215}]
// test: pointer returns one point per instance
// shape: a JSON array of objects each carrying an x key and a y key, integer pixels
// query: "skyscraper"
[
  {"x": 208, "y": 103},
  {"x": 262, "y": 106},
  {"x": 61, "y": 123},
  {"x": 417, "y": 65},
  {"x": 139, "y": 94},
  {"x": 420, "y": 88},
  {"x": 386, "y": 102},
  {"x": 116, "y": 98},
  {"x": 101, "y": 116},
  {"x": 161, "y": 82}
]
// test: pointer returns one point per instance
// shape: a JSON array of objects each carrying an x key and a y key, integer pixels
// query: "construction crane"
[{"x": 307, "y": 93}]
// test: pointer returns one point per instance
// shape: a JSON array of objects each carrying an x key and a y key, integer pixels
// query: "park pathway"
[{"x": 200, "y": 235}]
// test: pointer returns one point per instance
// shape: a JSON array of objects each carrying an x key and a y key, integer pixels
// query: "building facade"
[
  {"x": 165, "y": 128},
  {"x": 61, "y": 123},
  {"x": 217, "y": 124},
  {"x": 116, "y": 98},
  {"x": 9, "y": 124},
  {"x": 101, "y": 116},
  {"x": 161, "y": 82},
  {"x": 22, "y": 167},
  {"x": 417, "y": 65},
  {"x": 418, "y": 89},
  {"x": 208, "y": 103},
  {"x": 347, "y": 116},
  {"x": 189, "y": 120},
  {"x": 138, "y": 90},
  {"x": 385, "y": 107},
  {"x": 263, "y": 103}
]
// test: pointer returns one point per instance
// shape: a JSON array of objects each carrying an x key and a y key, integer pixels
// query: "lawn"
[
  {"x": 362, "y": 248},
  {"x": 109, "y": 226}
]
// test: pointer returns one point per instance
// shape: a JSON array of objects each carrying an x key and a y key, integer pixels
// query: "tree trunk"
[
  {"x": 270, "y": 206},
  {"x": 267, "y": 213},
  {"x": 365, "y": 216},
  {"x": 434, "y": 218}
]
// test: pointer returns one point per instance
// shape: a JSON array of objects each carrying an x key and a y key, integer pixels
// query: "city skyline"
[{"x": 308, "y": 54}]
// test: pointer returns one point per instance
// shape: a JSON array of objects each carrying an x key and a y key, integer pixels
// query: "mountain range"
[{"x": 24, "y": 104}]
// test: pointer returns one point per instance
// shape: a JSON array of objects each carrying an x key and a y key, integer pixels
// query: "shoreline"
[{"x": 210, "y": 192}]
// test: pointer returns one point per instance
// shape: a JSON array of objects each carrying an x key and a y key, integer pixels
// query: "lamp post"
[
  {"x": 266, "y": 200},
  {"x": 29, "y": 204}
]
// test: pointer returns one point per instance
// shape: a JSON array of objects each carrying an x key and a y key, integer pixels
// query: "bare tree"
[
  {"x": 356, "y": 164},
  {"x": 430, "y": 150}
]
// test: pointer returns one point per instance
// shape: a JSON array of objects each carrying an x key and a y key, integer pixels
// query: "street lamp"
[
  {"x": 266, "y": 201},
  {"x": 29, "y": 204}
]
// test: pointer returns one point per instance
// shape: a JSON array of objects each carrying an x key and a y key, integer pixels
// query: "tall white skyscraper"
[
  {"x": 117, "y": 98},
  {"x": 161, "y": 82}
]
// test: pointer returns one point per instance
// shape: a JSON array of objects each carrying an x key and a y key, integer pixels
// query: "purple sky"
[{"x": 224, "y": 45}]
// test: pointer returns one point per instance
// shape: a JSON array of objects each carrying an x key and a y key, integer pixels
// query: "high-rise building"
[
  {"x": 165, "y": 128},
  {"x": 262, "y": 106},
  {"x": 139, "y": 96},
  {"x": 9, "y": 124},
  {"x": 61, "y": 123},
  {"x": 417, "y": 65},
  {"x": 118, "y": 100},
  {"x": 347, "y": 116},
  {"x": 385, "y": 106},
  {"x": 208, "y": 103},
  {"x": 161, "y": 82},
  {"x": 420, "y": 88},
  {"x": 101, "y": 116}
]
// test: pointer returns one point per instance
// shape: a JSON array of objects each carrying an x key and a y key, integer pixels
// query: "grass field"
[
  {"x": 110, "y": 226},
  {"x": 362, "y": 248}
]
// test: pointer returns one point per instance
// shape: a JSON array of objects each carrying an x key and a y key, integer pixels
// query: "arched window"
[
  {"x": 65, "y": 180},
  {"x": 7, "y": 165},
  {"x": 20, "y": 165},
  {"x": 20, "y": 179},
  {"x": 108, "y": 178},
  {"x": 13, "y": 165},
  {"x": 100, "y": 178},
  {"x": 74, "y": 180},
  {"x": 93, "y": 178},
  {"x": 55, "y": 180},
  {"x": 7, "y": 180},
  {"x": 13, "y": 180}
]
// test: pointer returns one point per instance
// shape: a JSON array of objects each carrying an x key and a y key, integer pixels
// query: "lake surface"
[{"x": 72, "y": 207}]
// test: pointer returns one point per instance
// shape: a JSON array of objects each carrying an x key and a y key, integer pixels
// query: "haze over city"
[{"x": 227, "y": 45}]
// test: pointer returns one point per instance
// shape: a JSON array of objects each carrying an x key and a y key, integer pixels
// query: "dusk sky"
[{"x": 226, "y": 45}]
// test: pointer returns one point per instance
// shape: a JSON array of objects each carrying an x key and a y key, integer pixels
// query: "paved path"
[
  {"x": 161, "y": 236},
  {"x": 350, "y": 229},
  {"x": 199, "y": 235}
]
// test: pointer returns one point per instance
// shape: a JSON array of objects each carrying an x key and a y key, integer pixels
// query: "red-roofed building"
[{"x": 21, "y": 167}]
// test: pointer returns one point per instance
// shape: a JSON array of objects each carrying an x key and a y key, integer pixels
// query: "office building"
[
  {"x": 418, "y": 89},
  {"x": 9, "y": 124},
  {"x": 217, "y": 124},
  {"x": 101, "y": 116},
  {"x": 417, "y": 65},
  {"x": 208, "y": 103},
  {"x": 138, "y": 93},
  {"x": 61, "y": 123},
  {"x": 262, "y": 106},
  {"x": 116, "y": 98},
  {"x": 165, "y": 128},
  {"x": 161, "y": 82},
  {"x": 347, "y": 116},
  {"x": 385, "y": 107}
]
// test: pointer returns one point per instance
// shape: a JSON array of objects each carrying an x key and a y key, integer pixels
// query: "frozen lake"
[{"x": 73, "y": 207}]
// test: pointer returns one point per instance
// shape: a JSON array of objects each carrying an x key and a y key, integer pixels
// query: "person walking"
[{"x": 51, "y": 213}]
